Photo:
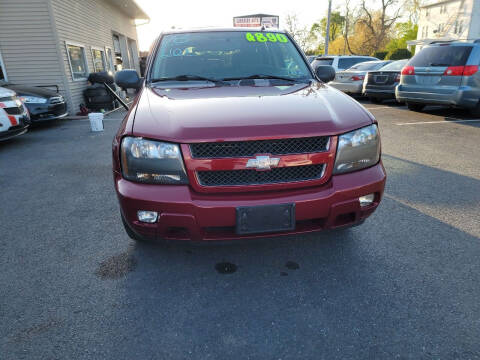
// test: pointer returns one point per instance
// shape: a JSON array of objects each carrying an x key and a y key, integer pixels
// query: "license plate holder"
[{"x": 265, "y": 218}]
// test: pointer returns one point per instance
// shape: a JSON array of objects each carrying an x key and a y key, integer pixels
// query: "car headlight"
[
  {"x": 357, "y": 150},
  {"x": 152, "y": 162},
  {"x": 33, "y": 100}
]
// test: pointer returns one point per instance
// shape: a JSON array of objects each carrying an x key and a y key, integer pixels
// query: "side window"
[
  {"x": 347, "y": 63},
  {"x": 343, "y": 63},
  {"x": 77, "y": 61}
]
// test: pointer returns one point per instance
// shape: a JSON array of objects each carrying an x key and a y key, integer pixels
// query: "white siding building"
[
  {"x": 448, "y": 20},
  {"x": 59, "y": 42}
]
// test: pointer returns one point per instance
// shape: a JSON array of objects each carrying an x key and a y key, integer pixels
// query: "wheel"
[
  {"x": 415, "y": 107},
  {"x": 375, "y": 100},
  {"x": 131, "y": 233},
  {"x": 476, "y": 110}
]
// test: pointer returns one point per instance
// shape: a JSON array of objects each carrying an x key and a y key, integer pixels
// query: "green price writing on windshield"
[{"x": 264, "y": 37}]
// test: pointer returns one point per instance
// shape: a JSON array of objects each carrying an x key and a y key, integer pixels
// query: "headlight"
[
  {"x": 33, "y": 100},
  {"x": 357, "y": 150},
  {"x": 152, "y": 162}
]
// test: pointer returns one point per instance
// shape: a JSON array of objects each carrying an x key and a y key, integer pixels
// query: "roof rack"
[{"x": 475, "y": 41}]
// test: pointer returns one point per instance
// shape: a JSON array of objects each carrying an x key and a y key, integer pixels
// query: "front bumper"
[
  {"x": 350, "y": 88},
  {"x": 14, "y": 131},
  {"x": 463, "y": 96},
  {"x": 47, "y": 112},
  {"x": 188, "y": 215},
  {"x": 383, "y": 92}
]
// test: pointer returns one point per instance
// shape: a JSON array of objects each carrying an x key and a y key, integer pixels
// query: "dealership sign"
[{"x": 269, "y": 21}]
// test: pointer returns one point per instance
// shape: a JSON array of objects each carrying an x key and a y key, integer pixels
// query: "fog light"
[
  {"x": 147, "y": 216},
  {"x": 366, "y": 200}
]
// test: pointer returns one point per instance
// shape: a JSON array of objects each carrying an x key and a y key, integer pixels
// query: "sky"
[{"x": 217, "y": 13}]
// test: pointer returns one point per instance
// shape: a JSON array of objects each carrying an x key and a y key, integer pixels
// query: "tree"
[
  {"x": 403, "y": 32},
  {"x": 298, "y": 32},
  {"x": 379, "y": 23},
  {"x": 412, "y": 8},
  {"x": 399, "y": 54},
  {"x": 337, "y": 22}
]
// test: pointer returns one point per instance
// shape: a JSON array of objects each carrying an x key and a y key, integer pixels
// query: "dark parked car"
[
  {"x": 351, "y": 80},
  {"x": 42, "y": 103},
  {"x": 233, "y": 135},
  {"x": 381, "y": 84}
]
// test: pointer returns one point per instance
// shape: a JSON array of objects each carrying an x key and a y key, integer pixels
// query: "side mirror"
[
  {"x": 326, "y": 73},
  {"x": 128, "y": 79}
]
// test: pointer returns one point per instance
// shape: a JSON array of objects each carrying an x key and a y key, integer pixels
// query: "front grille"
[
  {"x": 14, "y": 110},
  {"x": 233, "y": 149},
  {"x": 253, "y": 177}
]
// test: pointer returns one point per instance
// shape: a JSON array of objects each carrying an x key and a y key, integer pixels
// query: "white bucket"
[{"x": 96, "y": 121}]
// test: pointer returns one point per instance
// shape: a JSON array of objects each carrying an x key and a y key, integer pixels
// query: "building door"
[{"x": 118, "y": 61}]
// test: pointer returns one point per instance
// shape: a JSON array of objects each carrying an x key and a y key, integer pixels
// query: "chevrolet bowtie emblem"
[{"x": 263, "y": 162}]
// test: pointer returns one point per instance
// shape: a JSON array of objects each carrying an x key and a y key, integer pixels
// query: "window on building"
[
  {"x": 99, "y": 63},
  {"x": 425, "y": 32},
  {"x": 78, "y": 61},
  {"x": 427, "y": 12},
  {"x": 110, "y": 67},
  {"x": 3, "y": 72},
  {"x": 132, "y": 52},
  {"x": 458, "y": 27}
]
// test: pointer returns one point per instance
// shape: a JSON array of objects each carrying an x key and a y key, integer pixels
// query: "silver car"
[
  {"x": 443, "y": 73},
  {"x": 351, "y": 80}
]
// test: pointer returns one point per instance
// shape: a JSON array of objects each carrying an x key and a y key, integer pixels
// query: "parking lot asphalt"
[{"x": 405, "y": 284}]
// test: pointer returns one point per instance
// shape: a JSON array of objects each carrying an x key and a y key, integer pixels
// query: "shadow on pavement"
[
  {"x": 402, "y": 284},
  {"x": 418, "y": 183}
]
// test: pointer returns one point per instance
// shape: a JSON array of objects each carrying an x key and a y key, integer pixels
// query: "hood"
[
  {"x": 246, "y": 112},
  {"x": 32, "y": 91},
  {"x": 4, "y": 92}
]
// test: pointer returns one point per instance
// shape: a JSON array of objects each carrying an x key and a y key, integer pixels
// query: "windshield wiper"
[
  {"x": 438, "y": 64},
  {"x": 262, "y": 76},
  {"x": 188, "y": 77}
]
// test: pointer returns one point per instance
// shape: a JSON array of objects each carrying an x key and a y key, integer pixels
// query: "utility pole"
[{"x": 327, "y": 32}]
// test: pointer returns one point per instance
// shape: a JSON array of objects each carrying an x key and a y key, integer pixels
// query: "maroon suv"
[{"x": 233, "y": 135}]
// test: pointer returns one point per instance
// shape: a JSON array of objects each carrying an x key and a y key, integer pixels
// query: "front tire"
[
  {"x": 415, "y": 107},
  {"x": 476, "y": 110},
  {"x": 375, "y": 100},
  {"x": 131, "y": 234}
]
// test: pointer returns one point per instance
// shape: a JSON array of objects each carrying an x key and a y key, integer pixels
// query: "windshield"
[
  {"x": 441, "y": 56},
  {"x": 228, "y": 55},
  {"x": 395, "y": 66},
  {"x": 369, "y": 65}
]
